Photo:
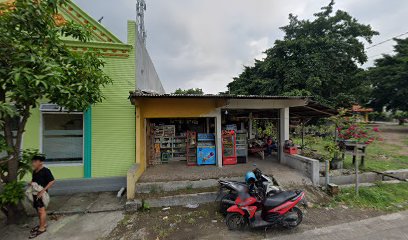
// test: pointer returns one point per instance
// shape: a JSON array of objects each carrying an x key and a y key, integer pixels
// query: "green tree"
[
  {"x": 318, "y": 57},
  {"x": 198, "y": 91},
  {"x": 35, "y": 64},
  {"x": 389, "y": 78},
  {"x": 401, "y": 117}
]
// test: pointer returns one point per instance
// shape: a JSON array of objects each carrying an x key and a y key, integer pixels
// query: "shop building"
[
  {"x": 113, "y": 143},
  {"x": 195, "y": 130}
]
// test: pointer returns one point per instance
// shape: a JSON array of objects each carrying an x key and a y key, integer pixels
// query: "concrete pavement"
[
  {"x": 90, "y": 226},
  {"x": 76, "y": 216},
  {"x": 391, "y": 227}
]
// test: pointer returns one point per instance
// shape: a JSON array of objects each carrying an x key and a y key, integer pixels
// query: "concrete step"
[
  {"x": 72, "y": 186},
  {"x": 156, "y": 187},
  {"x": 175, "y": 200},
  {"x": 365, "y": 177}
]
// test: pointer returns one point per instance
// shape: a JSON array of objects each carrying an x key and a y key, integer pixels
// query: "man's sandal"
[
  {"x": 36, "y": 234},
  {"x": 34, "y": 229}
]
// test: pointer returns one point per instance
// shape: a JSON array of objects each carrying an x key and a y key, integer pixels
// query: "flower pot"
[{"x": 336, "y": 164}]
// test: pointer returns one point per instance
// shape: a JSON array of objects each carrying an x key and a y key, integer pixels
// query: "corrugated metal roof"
[
  {"x": 312, "y": 109},
  {"x": 141, "y": 94}
]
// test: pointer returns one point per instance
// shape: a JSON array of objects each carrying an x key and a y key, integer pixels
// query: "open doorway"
[
  {"x": 189, "y": 141},
  {"x": 261, "y": 128}
]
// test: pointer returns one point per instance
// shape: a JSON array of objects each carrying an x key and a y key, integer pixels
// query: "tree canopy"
[
  {"x": 389, "y": 78},
  {"x": 318, "y": 57},
  {"x": 35, "y": 64},
  {"x": 198, "y": 91}
]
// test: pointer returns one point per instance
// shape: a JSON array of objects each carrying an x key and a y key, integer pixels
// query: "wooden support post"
[
  {"x": 356, "y": 166},
  {"x": 363, "y": 157},
  {"x": 327, "y": 173},
  {"x": 303, "y": 134},
  {"x": 251, "y": 135}
]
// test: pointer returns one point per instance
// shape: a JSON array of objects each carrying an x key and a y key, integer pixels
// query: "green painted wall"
[
  {"x": 113, "y": 121},
  {"x": 31, "y": 140}
]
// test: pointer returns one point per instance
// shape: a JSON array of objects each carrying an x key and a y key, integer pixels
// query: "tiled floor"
[{"x": 177, "y": 171}]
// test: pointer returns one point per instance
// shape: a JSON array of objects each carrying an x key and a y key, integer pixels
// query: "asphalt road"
[{"x": 391, "y": 227}]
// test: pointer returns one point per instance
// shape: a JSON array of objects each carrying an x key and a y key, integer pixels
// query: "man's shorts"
[{"x": 37, "y": 203}]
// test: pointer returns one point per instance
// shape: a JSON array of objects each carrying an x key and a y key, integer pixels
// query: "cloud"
[{"x": 205, "y": 43}]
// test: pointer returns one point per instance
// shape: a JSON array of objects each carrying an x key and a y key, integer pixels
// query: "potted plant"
[{"x": 333, "y": 153}]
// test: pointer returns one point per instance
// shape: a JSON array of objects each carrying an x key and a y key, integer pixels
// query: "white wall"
[
  {"x": 308, "y": 166},
  {"x": 147, "y": 78}
]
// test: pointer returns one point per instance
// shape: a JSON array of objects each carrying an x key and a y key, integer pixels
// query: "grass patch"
[
  {"x": 380, "y": 156},
  {"x": 387, "y": 197},
  {"x": 406, "y": 141}
]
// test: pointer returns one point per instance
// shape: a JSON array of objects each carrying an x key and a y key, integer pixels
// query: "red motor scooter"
[{"x": 277, "y": 210}]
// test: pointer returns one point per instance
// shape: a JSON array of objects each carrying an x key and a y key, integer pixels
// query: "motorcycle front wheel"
[
  {"x": 224, "y": 206},
  {"x": 235, "y": 221}
]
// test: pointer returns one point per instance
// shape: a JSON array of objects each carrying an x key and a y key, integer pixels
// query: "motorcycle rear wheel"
[
  {"x": 235, "y": 221},
  {"x": 299, "y": 214}
]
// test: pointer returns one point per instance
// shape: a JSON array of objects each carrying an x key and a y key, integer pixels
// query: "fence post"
[
  {"x": 327, "y": 173},
  {"x": 356, "y": 166}
]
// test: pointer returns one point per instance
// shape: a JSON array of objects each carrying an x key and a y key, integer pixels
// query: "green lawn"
[
  {"x": 388, "y": 197},
  {"x": 381, "y": 156}
]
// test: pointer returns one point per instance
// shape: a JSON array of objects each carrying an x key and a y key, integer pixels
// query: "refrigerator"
[{"x": 206, "y": 150}]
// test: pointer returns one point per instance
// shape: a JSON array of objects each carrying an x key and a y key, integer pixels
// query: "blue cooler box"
[{"x": 206, "y": 155}]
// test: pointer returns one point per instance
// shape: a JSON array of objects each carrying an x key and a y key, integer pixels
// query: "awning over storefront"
[
  {"x": 311, "y": 110},
  {"x": 304, "y": 108},
  {"x": 143, "y": 94}
]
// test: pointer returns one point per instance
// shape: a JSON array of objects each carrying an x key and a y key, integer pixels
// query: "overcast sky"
[{"x": 205, "y": 43}]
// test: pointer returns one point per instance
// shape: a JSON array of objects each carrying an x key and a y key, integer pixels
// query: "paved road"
[{"x": 392, "y": 227}]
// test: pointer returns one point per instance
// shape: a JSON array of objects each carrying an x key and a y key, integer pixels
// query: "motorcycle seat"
[{"x": 278, "y": 199}]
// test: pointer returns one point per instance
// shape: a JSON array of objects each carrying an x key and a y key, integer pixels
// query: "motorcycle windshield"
[{"x": 266, "y": 178}]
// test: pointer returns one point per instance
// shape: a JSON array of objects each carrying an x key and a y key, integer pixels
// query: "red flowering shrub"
[{"x": 349, "y": 128}]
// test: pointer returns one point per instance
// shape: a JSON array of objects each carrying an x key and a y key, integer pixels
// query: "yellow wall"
[{"x": 178, "y": 108}]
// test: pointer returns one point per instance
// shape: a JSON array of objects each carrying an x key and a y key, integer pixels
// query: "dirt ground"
[
  {"x": 206, "y": 223},
  {"x": 396, "y": 135}
]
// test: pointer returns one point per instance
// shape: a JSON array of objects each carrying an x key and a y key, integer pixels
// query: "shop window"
[{"x": 62, "y": 137}]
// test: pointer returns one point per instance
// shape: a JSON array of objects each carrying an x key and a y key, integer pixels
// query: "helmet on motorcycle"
[{"x": 250, "y": 177}]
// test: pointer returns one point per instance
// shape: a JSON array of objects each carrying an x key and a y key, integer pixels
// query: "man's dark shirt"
[{"x": 43, "y": 177}]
